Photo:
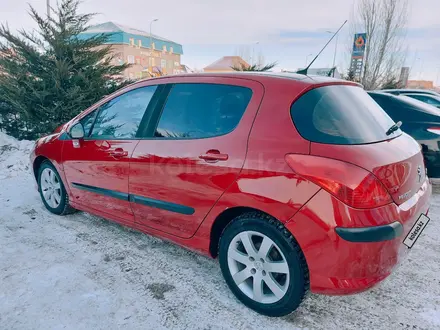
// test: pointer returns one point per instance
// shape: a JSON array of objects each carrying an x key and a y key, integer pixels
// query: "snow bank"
[{"x": 14, "y": 156}]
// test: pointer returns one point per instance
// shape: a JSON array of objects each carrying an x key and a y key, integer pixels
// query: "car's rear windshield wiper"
[{"x": 394, "y": 128}]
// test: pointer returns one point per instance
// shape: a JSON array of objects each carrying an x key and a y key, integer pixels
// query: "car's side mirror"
[{"x": 77, "y": 131}]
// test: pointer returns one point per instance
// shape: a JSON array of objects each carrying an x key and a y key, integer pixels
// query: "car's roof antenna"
[{"x": 304, "y": 71}]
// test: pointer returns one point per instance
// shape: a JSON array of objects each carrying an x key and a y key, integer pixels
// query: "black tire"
[
  {"x": 298, "y": 271},
  {"x": 64, "y": 207}
]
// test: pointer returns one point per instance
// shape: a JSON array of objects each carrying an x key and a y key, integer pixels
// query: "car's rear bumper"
[
  {"x": 371, "y": 234},
  {"x": 367, "y": 249}
]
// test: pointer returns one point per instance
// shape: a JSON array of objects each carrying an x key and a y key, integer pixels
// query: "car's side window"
[
  {"x": 195, "y": 111},
  {"x": 87, "y": 122},
  {"x": 120, "y": 117},
  {"x": 422, "y": 98},
  {"x": 432, "y": 101}
]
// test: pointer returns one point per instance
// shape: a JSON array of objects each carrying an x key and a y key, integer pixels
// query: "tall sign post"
[
  {"x": 357, "y": 56},
  {"x": 404, "y": 75}
]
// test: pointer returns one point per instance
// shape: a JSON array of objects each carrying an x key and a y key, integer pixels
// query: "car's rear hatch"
[
  {"x": 344, "y": 123},
  {"x": 397, "y": 163}
]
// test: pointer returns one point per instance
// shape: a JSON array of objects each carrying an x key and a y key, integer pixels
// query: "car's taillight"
[
  {"x": 349, "y": 183},
  {"x": 435, "y": 130}
]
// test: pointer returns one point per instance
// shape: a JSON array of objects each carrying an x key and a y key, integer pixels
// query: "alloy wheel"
[
  {"x": 258, "y": 267},
  {"x": 50, "y": 187}
]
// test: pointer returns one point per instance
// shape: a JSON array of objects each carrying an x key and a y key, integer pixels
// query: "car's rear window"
[{"x": 340, "y": 114}]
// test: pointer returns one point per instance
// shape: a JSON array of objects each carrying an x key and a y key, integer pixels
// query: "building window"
[
  {"x": 130, "y": 59},
  {"x": 139, "y": 43},
  {"x": 171, "y": 50},
  {"x": 164, "y": 48},
  {"x": 163, "y": 63},
  {"x": 153, "y": 61},
  {"x": 131, "y": 42}
]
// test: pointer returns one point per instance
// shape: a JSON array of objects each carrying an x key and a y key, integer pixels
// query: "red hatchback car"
[{"x": 294, "y": 182}]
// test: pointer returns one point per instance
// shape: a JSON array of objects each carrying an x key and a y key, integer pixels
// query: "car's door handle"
[
  {"x": 119, "y": 152},
  {"x": 214, "y": 156}
]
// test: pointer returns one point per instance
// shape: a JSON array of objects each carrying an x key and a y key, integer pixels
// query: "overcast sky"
[{"x": 287, "y": 30}]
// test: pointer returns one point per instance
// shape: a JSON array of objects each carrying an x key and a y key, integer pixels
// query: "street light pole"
[
  {"x": 307, "y": 59},
  {"x": 150, "y": 60},
  {"x": 48, "y": 8},
  {"x": 336, "y": 50},
  {"x": 421, "y": 67},
  {"x": 151, "y": 40},
  {"x": 253, "y": 52},
  {"x": 438, "y": 74}
]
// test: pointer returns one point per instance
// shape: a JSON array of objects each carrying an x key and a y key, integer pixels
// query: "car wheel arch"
[
  {"x": 37, "y": 163},
  {"x": 223, "y": 219}
]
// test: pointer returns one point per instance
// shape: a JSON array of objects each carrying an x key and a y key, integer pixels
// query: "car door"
[
  {"x": 97, "y": 166},
  {"x": 193, "y": 152}
]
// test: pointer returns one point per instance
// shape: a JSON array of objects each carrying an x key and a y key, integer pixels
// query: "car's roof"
[
  {"x": 408, "y": 102},
  {"x": 408, "y": 90},
  {"x": 437, "y": 97},
  {"x": 312, "y": 79}
]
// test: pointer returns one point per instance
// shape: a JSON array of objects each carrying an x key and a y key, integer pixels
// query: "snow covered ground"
[{"x": 83, "y": 272}]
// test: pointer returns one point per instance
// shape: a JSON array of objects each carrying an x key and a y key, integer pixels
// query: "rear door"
[
  {"x": 345, "y": 123},
  {"x": 192, "y": 152},
  {"x": 97, "y": 168}
]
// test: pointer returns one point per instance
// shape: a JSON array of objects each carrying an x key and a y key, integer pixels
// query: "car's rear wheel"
[
  {"x": 52, "y": 191},
  {"x": 263, "y": 264}
]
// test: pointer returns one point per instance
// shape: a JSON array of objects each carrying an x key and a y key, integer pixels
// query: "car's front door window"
[
  {"x": 87, "y": 122},
  {"x": 120, "y": 118}
]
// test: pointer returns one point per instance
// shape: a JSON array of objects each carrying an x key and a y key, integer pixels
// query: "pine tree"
[
  {"x": 254, "y": 67},
  {"x": 49, "y": 76},
  {"x": 350, "y": 75},
  {"x": 391, "y": 83}
]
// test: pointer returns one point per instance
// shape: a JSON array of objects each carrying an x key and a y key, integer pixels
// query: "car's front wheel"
[
  {"x": 263, "y": 264},
  {"x": 52, "y": 190}
]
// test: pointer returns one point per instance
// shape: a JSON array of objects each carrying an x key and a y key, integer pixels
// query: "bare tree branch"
[{"x": 384, "y": 22}]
